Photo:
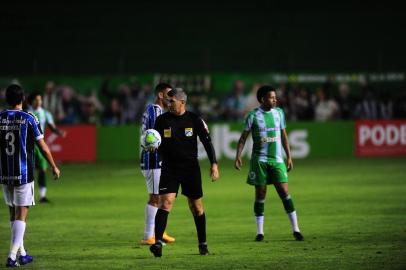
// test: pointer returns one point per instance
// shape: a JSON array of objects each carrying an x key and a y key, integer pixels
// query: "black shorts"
[{"x": 189, "y": 179}]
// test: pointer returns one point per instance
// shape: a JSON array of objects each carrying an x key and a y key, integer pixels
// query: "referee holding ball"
[{"x": 179, "y": 130}]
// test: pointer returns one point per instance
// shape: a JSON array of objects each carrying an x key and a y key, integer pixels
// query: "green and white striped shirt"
[
  {"x": 266, "y": 127},
  {"x": 44, "y": 117}
]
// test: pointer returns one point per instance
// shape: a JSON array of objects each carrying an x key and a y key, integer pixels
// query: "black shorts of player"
[{"x": 189, "y": 178}]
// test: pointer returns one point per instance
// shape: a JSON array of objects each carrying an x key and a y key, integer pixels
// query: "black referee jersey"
[{"x": 179, "y": 139}]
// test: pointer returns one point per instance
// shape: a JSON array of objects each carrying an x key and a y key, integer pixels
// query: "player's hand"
[
  {"x": 214, "y": 172},
  {"x": 290, "y": 164},
  {"x": 56, "y": 172},
  {"x": 238, "y": 163}
]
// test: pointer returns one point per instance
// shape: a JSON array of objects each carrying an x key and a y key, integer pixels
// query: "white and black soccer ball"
[{"x": 150, "y": 139}]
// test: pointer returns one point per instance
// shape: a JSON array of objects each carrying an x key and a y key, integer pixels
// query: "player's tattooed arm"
[
  {"x": 286, "y": 147},
  {"x": 240, "y": 147}
]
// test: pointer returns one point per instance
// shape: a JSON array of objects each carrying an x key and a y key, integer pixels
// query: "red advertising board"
[
  {"x": 79, "y": 144},
  {"x": 380, "y": 138}
]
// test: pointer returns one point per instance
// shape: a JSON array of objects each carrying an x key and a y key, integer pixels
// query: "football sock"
[
  {"x": 42, "y": 192},
  {"x": 18, "y": 236},
  {"x": 150, "y": 213},
  {"x": 259, "y": 207},
  {"x": 200, "y": 222},
  {"x": 161, "y": 218},
  {"x": 260, "y": 224},
  {"x": 22, "y": 249},
  {"x": 293, "y": 220},
  {"x": 290, "y": 210},
  {"x": 288, "y": 204},
  {"x": 42, "y": 184}
]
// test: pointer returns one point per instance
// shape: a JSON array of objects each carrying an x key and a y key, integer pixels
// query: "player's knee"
[
  {"x": 153, "y": 200},
  {"x": 196, "y": 207},
  {"x": 166, "y": 205},
  {"x": 197, "y": 210},
  {"x": 20, "y": 213},
  {"x": 260, "y": 193},
  {"x": 283, "y": 192},
  {"x": 284, "y": 195},
  {"x": 261, "y": 196}
]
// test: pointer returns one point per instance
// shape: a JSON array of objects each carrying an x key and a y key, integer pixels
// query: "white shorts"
[
  {"x": 152, "y": 179},
  {"x": 19, "y": 196}
]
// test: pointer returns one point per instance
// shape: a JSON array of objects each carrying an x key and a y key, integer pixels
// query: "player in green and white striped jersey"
[
  {"x": 268, "y": 127},
  {"x": 45, "y": 119}
]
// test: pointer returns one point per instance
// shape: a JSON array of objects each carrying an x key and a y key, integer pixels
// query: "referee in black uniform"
[{"x": 179, "y": 130}]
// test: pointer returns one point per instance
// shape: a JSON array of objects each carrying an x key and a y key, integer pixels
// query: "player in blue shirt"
[
  {"x": 151, "y": 165},
  {"x": 19, "y": 131}
]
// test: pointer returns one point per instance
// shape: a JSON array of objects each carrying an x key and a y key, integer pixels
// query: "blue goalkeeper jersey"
[
  {"x": 150, "y": 160},
  {"x": 18, "y": 132}
]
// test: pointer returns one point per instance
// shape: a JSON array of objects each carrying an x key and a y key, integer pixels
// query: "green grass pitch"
[{"x": 352, "y": 213}]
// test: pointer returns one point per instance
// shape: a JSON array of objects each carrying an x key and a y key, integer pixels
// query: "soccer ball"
[{"x": 150, "y": 139}]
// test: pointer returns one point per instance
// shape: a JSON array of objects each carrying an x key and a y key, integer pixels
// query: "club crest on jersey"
[
  {"x": 189, "y": 132},
  {"x": 167, "y": 133}
]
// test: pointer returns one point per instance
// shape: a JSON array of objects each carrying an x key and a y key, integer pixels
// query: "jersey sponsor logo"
[
  {"x": 14, "y": 121},
  {"x": 167, "y": 133},
  {"x": 269, "y": 139},
  {"x": 9, "y": 127},
  {"x": 189, "y": 132},
  {"x": 11, "y": 177},
  {"x": 263, "y": 129}
]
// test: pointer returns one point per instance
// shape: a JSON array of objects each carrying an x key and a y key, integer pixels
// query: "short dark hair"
[
  {"x": 263, "y": 90},
  {"x": 161, "y": 87},
  {"x": 178, "y": 93},
  {"x": 14, "y": 94},
  {"x": 32, "y": 96}
]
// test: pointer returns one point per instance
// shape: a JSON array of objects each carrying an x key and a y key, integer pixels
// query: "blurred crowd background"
[
  {"x": 123, "y": 103},
  {"x": 239, "y": 39}
]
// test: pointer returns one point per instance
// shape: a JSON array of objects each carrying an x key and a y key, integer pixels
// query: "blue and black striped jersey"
[
  {"x": 18, "y": 132},
  {"x": 149, "y": 160}
]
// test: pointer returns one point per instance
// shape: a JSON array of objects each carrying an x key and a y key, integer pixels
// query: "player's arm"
[
  {"x": 240, "y": 147},
  {"x": 56, "y": 130},
  {"x": 48, "y": 156},
  {"x": 286, "y": 147},
  {"x": 243, "y": 138},
  {"x": 51, "y": 124},
  {"x": 204, "y": 136}
]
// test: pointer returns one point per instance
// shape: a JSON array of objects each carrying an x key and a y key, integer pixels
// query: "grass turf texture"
[{"x": 351, "y": 212}]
